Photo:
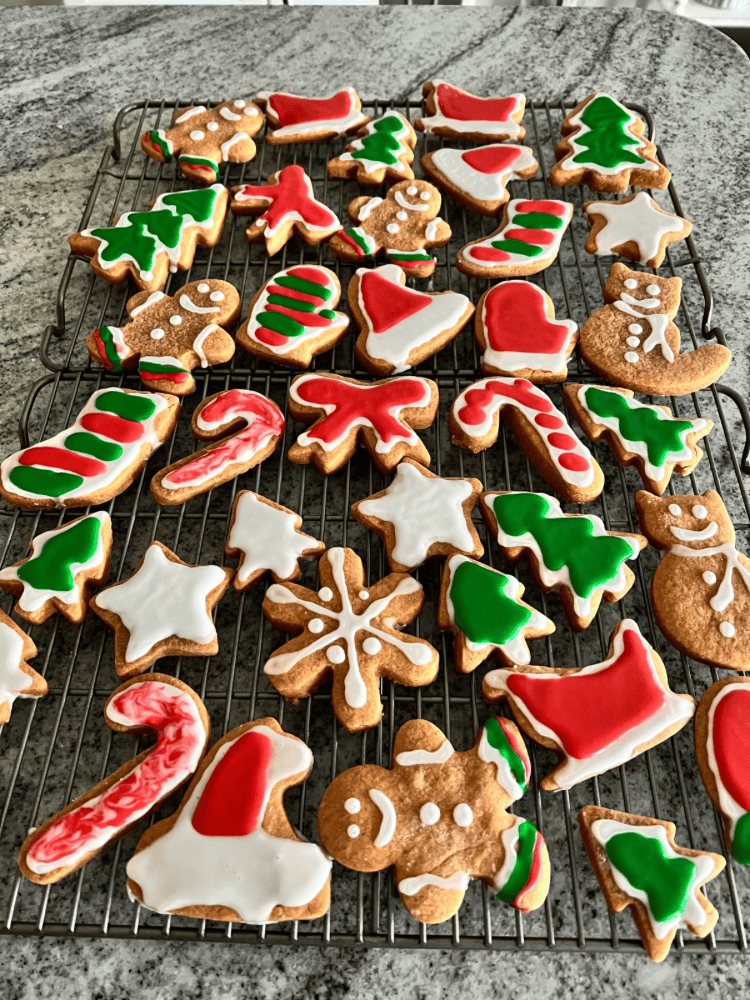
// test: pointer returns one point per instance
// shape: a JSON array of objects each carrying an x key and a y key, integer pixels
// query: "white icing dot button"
[
  {"x": 402, "y": 216},
  {"x": 157, "y": 333},
  {"x": 429, "y": 814},
  {"x": 463, "y": 815},
  {"x": 353, "y": 831},
  {"x": 325, "y": 593},
  {"x": 336, "y": 654},
  {"x": 371, "y": 645},
  {"x": 196, "y": 135},
  {"x": 630, "y": 283},
  {"x": 675, "y": 510},
  {"x": 392, "y": 227},
  {"x": 631, "y": 357},
  {"x": 204, "y": 287},
  {"x": 709, "y": 577},
  {"x": 727, "y": 629},
  {"x": 633, "y": 342},
  {"x": 315, "y": 625},
  {"x": 352, "y": 806},
  {"x": 699, "y": 511},
  {"x": 175, "y": 320},
  {"x": 216, "y": 296},
  {"x": 635, "y": 328}
]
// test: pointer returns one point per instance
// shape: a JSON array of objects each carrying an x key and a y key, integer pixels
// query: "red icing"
[
  {"x": 388, "y": 302},
  {"x": 293, "y": 110},
  {"x": 342, "y": 234},
  {"x": 548, "y": 421},
  {"x": 517, "y": 745},
  {"x": 491, "y": 159},
  {"x": 233, "y": 800},
  {"x": 270, "y": 337},
  {"x": 290, "y": 196},
  {"x": 558, "y": 208},
  {"x": 491, "y": 254},
  {"x": 61, "y": 458},
  {"x": 536, "y": 867},
  {"x": 463, "y": 107},
  {"x": 410, "y": 265},
  {"x": 310, "y": 274},
  {"x": 515, "y": 320},
  {"x": 477, "y": 401},
  {"x": 292, "y": 293},
  {"x": 163, "y": 376},
  {"x": 538, "y": 237},
  {"x": 563, "y": 442},
  {"x": 731, "y": 739},
  {"x": 307, "y": 319},
  {"x": 576, "y": 463},
  {"x": 111, "y": 426}
]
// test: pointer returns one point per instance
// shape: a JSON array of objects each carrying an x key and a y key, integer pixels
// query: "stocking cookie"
[
  {"x": 17, "y": 678},
  {"x": 478, "y": 178},
  {"x": 349, "y": 631},
  {"x": 420, "y": 515},
  {"x": 95, "y": 459},
  {"x": 164, "y": 609},
  {"x": 573, "y": 554},
  {"x": 292, "y": 118},
  {"x": 541, "y": 429},
  {"x": 168, "y": 336},
  {"x": 484, "y": 610},
  {"x": 404, "y": 226},
  {"x": 457, "y": 114},
  {"x": 382, "y": 152},
  {"x": 639, "y": 434},
  {"x": 381, "y": 415},
  {"x": 399, "y": 326},
  {"x": 148, "y": 246},
  {"x": 230, "y": 852},
  {"x": 438, "y": 817},
  {"x": 246, "y": 428},
  {"x": 107, "y": 811},
  {"x": 636, "y": 228},
  {"x": 201, "y": 138}
]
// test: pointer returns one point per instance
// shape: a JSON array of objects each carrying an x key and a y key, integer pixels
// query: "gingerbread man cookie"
[
  {"x": 292, "y": 118},
  {"x": 17, "y": 678},
  {"x": 383, "y": 151},
  {"x": 636, "y": 228},
  {"x": 439, "y": 818}
]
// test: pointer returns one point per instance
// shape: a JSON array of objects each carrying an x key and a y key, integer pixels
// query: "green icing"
[
  {"x": 518, "y": 246},
  {"x": 482, "y": 608},
  {"x": 741, "y": 840},
  {"x": 645, "y": 864},
  {"x": 608, "y": 142},
  {"x": 90, "y": 444},
  {"x": 45, "y": 482},
  {"x": 302, "y": 285},
  {"x": 282, "y": 324},
  {"x": 52, "y": 569},
  {"x": 161, "y": 143},
  {"x": 521, "y": 873},
  {"x": 199, "y": 205},
  {"x": 110, "y": 351},
  {"x": 381, "y": 145},
  {"x": 198, "y": 161},
  {"x": 124, "y": 405},
  {"x": 498, "y": 740},
  {"x": 538, "y": 220},
  {"x": 296, "y": 304}
]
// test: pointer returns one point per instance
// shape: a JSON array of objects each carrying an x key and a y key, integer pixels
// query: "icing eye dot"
[
  {"x": 425, "y": 196},
  {"x": 353, "y": 831},
  {"x": 392, "y": 227},
  {"x": 157, "y": 334},
  {"x": 633, "y": 342},
  {"x": 631, "y": 357},
  {"x": 212, "y": 126},
  {"x": 654, "y": 290},
  {"x": 239, "y": 104},
  {"x": 352, "y": 806},
  {"x": 630, "y": 283},
  {"x": 316, "y": 625},
  {"x": 699, "y": 511},
  {"x": 674, "y": 509},
  {"x": 412, "y": 189},
  {"x": 204, "y": 287},
  {"x": 250, "y": 111},
  {"x": 196, "y": 135},
  {"x": 325, "y": 593},
  {"x": 709, "y": 577},
  {"x": 429, "y": 814},
  {"x": 216, "y": 296},
  {"x": 175, "y": 320},
  {"x": 336, "y": 654},
  {"x": 371, "y": 645},
  {"x": 727, "y": 629},
  {"x": 403, "y": 216},
  {"x": 635, "y": 328},
  {"x": 463, "y": 815}
]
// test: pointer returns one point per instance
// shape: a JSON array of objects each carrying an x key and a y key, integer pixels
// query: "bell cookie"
[
  {"x": 230, "y": 852},
  {"x": 106, "y": 812},
  {"x": 638, "y": 864},
  {"x": 344, "y": 412},
  {"x": 439, "y": 818},
  {"x": 478, "y": 178},
  {"x": 292, "y": 118},
  {"x": 245, "y": 426},
  {"x": 348, "y": 631},
  {"x": 382, "y": 152},
  {"x": 456, "y": 114},
  {"x": 635, "y": 228},
  {"x": 421, "y": 516},
  {"x": 17, "y": 678}
]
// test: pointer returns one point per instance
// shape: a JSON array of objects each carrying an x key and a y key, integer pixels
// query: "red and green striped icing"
[
  {"x": 505, "y": 744},
  {"x": 160, "y": 142},
  {"x": 529, "y": 844},
  {"x": 111, "y": 347},
  {"x": 200, "y": 163},
  {"x": 533, "y": 232},
  {"x": 293, "y": 304},
  {"x": 164, "y": 369},
  {"x": 359, "y": 241}
]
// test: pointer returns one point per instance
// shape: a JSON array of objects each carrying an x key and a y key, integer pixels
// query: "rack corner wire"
[{"x": 57, "y": 747}]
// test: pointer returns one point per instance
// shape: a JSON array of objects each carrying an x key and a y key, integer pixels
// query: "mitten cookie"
[
  {"x": 484, "y": 610},
  {"x": 457, "y": 114},
  {"x": 201, "y": 138},
  {"x": 267, "y": 539},
  {"x": 399, "y": 326},
  {"x": 380, "y": 415},
  {"x": 420, "y": 515},
  {"x": 596, "y": 717},
  {"x": 168, "y": 336},
  {"x": 639, "y": 434},
  {"x": 541, "y": 429},
  {"x": 349, "y": 631},
  {"x": 604, "y": 148},
  {"x": 438, "y": 817},
  {"x": 95, "y": 459},
  {"x": 516, "y": 331},
  {"x": 382, "y": 152},
  {"x": 230, "y": 852},
  {"x": 403, "y": 226},
  {"x": 527, "y": 241},
  {"x": 638, "y": 864},
  {"x": 636, "y": 228},
  {"x": 700, "y": 591},
  {"x": 292, "y": 118},
  {"x": 63, "y": 565},
  {"x": 246, "y": 428},
  {"x": 573, "y": 554},
  {"x": 163, "y": 609},
  {"x": 107, "y": 811},
  {"x": 148, "y": 246},
  {"x": 478, "y": 178},
  {"x": 17, "y": 678},
  {"x": 292, "y": 318}
]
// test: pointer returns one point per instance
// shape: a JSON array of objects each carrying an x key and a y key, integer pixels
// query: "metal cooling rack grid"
[{"x": 59, "y": 746}]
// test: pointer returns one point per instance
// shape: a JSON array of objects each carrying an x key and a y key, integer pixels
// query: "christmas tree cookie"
[
  {"x": 17, "y": 678},
  {"x": 382, "y": 152},
  {"x": 635, "y": 228},
  {"x": 292, "y": 118},
  {"x": 478, "y": 178},
  {"x": 456, "y": 114}
]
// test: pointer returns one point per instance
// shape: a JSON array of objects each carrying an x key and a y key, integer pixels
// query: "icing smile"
[{"x": 687, "y": 535}]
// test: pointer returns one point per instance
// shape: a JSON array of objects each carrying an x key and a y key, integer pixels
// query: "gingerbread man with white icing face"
[
  {"x": 439, "y": 818},
  {"x": 403, "y": 226},
  {"x": 168, "y": 336}
]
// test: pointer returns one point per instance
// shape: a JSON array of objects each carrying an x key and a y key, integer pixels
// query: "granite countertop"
[{"x": 64, "y": 75}]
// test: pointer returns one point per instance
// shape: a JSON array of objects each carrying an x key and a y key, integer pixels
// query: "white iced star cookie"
[
  {"x": 17, "y": 678},
  {"x": 164, "y": 609},
  {"x": 421, "y": 515},
  {"x": 635, "y": 228}
]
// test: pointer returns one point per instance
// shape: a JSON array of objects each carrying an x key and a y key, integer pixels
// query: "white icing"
[
  {"x": 675, "y": 510},
  {"x": 413, "y": 758},
  {"x": 699, "y": 511},
  {"x": 630, "y": 283},
  {"x": 196, "y": 135},
  {"x": 338, "y": 126},
  {"x": 367, "y": 208},
  {"x": 239, "y": 103},
  {"x": 336, "y": 654},
  {"x": 654, "y": 290},
  {"x": 189, "y": 114},
  {"x": 213, "y": 126},
  {"x": 574, "y": 143},
  {"x": 412, "y": 189},
  {"x": 709, "y": 577},
  {"x": 388, "y": 822},
  {"x": 216, "y": 296},
  {"x": 633, "y": 342},
  {"x": 352, "y": 806},
  {"x": 372, "y": 646},
  {"x": 548, "y": 252},
  {"x": 429, "y": 814},
  {"x": 410, "y": 206},
  {"x": 13, "y": 680},
  {"x": 725, "y": 594},
  {"x": 425, "y": 195},
  {"x": 506, "y": 129},
  {"x": 229, "y": 116},
  {"x": 175, "y": 320},
  {"x": 631, "y": 357},
  {"x": 353, "y": 831},
  {"x": 325, "y": 593},
  {"x": 509, "y": 840},
  {"x": 364, "y": 594},
  {"x": 727, "y": 803},
  {"x": 316, "y": 625},
  {"x": 411, "y": 886},
  {"x": 200, "y": 340},
  {"x": 226, "y": 146},
  {"x": 402, "y": 216},
  {"x": 368, "y": 165},
  {"x": 658, "y": 322},
  {"x": 432, "y": 228},
  {"x": 504, "y": 775},
  {"x": 635, "y": 327},
  {"x": 518, "y": 360},
  {"x": 727, "y": 630},
  {"x": 392, "y": 227},
  {"x": 479, "y": 186},
  {"x": 686, "y": 535},
  {"x": 151, "y": 300},
  {"x": 188, "y": 305},
  {"x": 204, "y": 287},
  {"x": 639, "y": 220},
  {"x": 463, "y": 815}
]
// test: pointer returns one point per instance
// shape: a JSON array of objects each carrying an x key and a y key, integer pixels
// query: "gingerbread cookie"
[
  {"x": 457, "y": 114},
  {"x": 614, "y": 346},
  {"x": 286, "y": 205},
  {"x": 148, "y": 246},
  {"x": 439, "y": 818},
  {"x": 636, "y": 228},
  {"x": 484, "y": 610},
  {"x": 17, "y": 678},
  {"x": 349, "y": 631},
  {"x": 527, "y": 241},
  {"x": 168, "y": 336},
  {"x": 230, "y": 852},
  {"x": 478, "y": 178},
  {"x": 63, "y": 565},
  {"x": 516, "y": 331},
  {"x": 113, "y": 806},
  {"x": 201, "y": 138},
  {"x": 420, "y": 516},
  {"x": 292, "y": 317},
  {"x": 573, "y": 554},
  {"x": 400, "y": 326},
  {"x": 163, "y": 609},
  {"x": 404, "y": 226},
  {"x": 604, "y": 147},
  {"x": 95, "y": 459},
  {"x": 245, "y": 426},
  {"x": 541, "y": 429},
  {"x": 382, "y": 152},
  {"x": 700, "y": 591},
  {"x": 292, "y": 118},
  {"x": 638, "y": 864},
  {"x": 596, "y": 717},
  {"x": 343, "y": 411},
  {"x": 640, "y": 434}
]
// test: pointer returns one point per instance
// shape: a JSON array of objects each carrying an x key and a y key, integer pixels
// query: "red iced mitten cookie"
[
  {"x": 457, "y": 114},
  {"x": 636, "y": 228},
  {"x": 478, "y": 178},
  {"x": 17, "y": 678},
  {"x": 382, "y": 153},
  {"x": 292, "y": 118}
]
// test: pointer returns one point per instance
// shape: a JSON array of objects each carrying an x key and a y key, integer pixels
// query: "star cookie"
[{"x": 635, "y": 228}]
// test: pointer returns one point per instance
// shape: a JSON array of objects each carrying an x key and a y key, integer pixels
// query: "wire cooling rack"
[{"x": 55, "y": 748}]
